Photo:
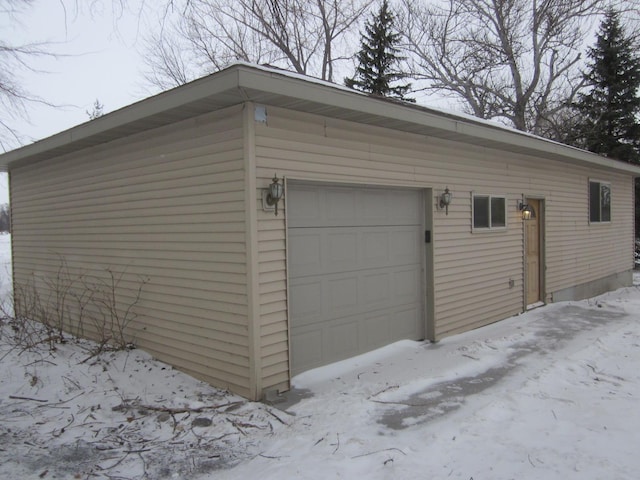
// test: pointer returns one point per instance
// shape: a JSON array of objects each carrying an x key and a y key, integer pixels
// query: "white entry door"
[{"x": 355, "y": 270}]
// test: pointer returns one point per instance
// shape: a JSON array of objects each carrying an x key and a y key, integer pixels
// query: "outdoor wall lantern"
[
  {"x": 528, "y": 212},
  {"x": 445, "y": 200},
  {"x": 272, "y": 195}
]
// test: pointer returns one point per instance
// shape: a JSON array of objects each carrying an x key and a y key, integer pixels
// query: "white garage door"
[{"x": 355, "y": 263}]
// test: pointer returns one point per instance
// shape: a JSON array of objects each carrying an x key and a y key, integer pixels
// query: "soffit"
[{"x": 244, "y": 82}]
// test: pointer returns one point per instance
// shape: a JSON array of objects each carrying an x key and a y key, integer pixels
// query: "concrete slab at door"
[{"x": 355, "y": 270}]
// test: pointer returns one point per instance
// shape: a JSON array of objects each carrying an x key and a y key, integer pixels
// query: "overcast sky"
[{"x": 99, "y": 58}]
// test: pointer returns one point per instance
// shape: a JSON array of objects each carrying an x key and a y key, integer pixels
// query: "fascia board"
[
  {"x": 137, "y": 112},
  {"x": 248, "y": 83},
  {"x": 280, "y": 84}
]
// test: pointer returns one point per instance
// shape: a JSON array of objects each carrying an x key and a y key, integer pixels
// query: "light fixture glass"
[
  {"x": 528, "y": 213},
  {"x": 445, "y": 200},
  {"x": 274, "y": 193}
]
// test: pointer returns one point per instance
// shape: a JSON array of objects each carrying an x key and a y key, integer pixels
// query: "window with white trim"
[
  {"x": 599, "y": 202},
  {"x": 489, "y": 212}
]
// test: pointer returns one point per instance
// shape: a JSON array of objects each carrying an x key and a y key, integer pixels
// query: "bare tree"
[
  {"x": 514, "y": 60},
  {"x": 306, "y": 36},
  {"x": 15, "y": 58},
  {"x": 18, "y": 58},
  {"x": 168, "y": 60}
]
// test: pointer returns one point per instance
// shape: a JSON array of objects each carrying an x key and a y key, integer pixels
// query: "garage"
[{"x": 355, "y": 261}]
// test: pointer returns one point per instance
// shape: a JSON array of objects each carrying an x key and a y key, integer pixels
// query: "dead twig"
[
  {"x": 238, "y": 426},
  {"x": 138, "y": 451},
  {"x": 15, "y": 397},
  {"x": 277, "y": 417},
  {"x": 51, "y": 405},
  {"x": 63, "y": 429},
  {"x": 380, "y": 451},
  {"x": 390, "y": 387},
  {"x": 144, "y": 465},
  {"x": 72, "y": 382},
  {"x": 8, "y": 352},
  {"x": 174, "y": 411},
  {"x": 406, "y": 404},
  {"x": 42, "y": 360},
  {"x": 101, "y": 347},
  {"x": 272, "y": 458},
  {"x": 115, "y": 464}
]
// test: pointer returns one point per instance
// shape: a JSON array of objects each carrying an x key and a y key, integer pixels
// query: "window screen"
[
  {"x": 599, "y": 202},
  {"x": 489, "y": 212}
]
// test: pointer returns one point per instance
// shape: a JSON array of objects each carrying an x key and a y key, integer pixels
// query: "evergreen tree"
[
  {"x": 378, "y": 57},
  {"x": 609, "y": 111}
]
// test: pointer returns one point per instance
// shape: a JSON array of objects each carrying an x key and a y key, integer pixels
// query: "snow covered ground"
[{"x": 549, "y": 394}]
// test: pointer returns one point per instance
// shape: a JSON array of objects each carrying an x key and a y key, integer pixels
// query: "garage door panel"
[
  {"x": 339, "y": 206},
  {"x": 407, "y": 244},
  {"x": 304, "y": 252},
  {"x": 307, "y": 349},
  {"x": 355, "y": 266},
  {"x": 406, "y": 322},
  {"x": 342, "y": 338},
  {"x": 375, "y": 289},
  {"x": 339, "y": 251},
  {"x": 347, "y": 206},
  {"x": 406, "y": 210},
  {"x": 340, "y": 294},
  {"x": 305, "y": 208},
  {"x": 376, "y": 246},
  {"x": 306, "y": 300},
  {"x": 322, "y": 251},
  {"x": 406, "y": 285},
  {"x": 343, "y": 296},
  {"x": 375, "y": 208},
  {"x": 377, "y": 330}
]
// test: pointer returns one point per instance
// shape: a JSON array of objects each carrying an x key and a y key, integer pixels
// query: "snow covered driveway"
[{"x": 549, "y": 394}]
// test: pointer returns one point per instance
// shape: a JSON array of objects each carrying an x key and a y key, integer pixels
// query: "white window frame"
[
  {"x": 600, "y": 183},
  {"x": 490, "y": 228}
]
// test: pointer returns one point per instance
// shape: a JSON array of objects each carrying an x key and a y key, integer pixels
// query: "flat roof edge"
[
  {"x": 127, "y": 115},
  {"x": 241, "y": 78},
  {"x": 260, "y": 79}
]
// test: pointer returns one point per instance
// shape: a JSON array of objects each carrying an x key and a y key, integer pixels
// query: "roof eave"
[
  {"x": 427, "y": 121},
  {"x": 243, "y": 82},
  {"x": 125, "y": 121}
]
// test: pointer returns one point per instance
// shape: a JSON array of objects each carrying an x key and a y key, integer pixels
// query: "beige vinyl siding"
[
  {"x": 273, "y": 298},
  {"x": 581, "y": 252},
  {"x": 167, "y": 205},
  {"x": 472, "y": 269}
]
